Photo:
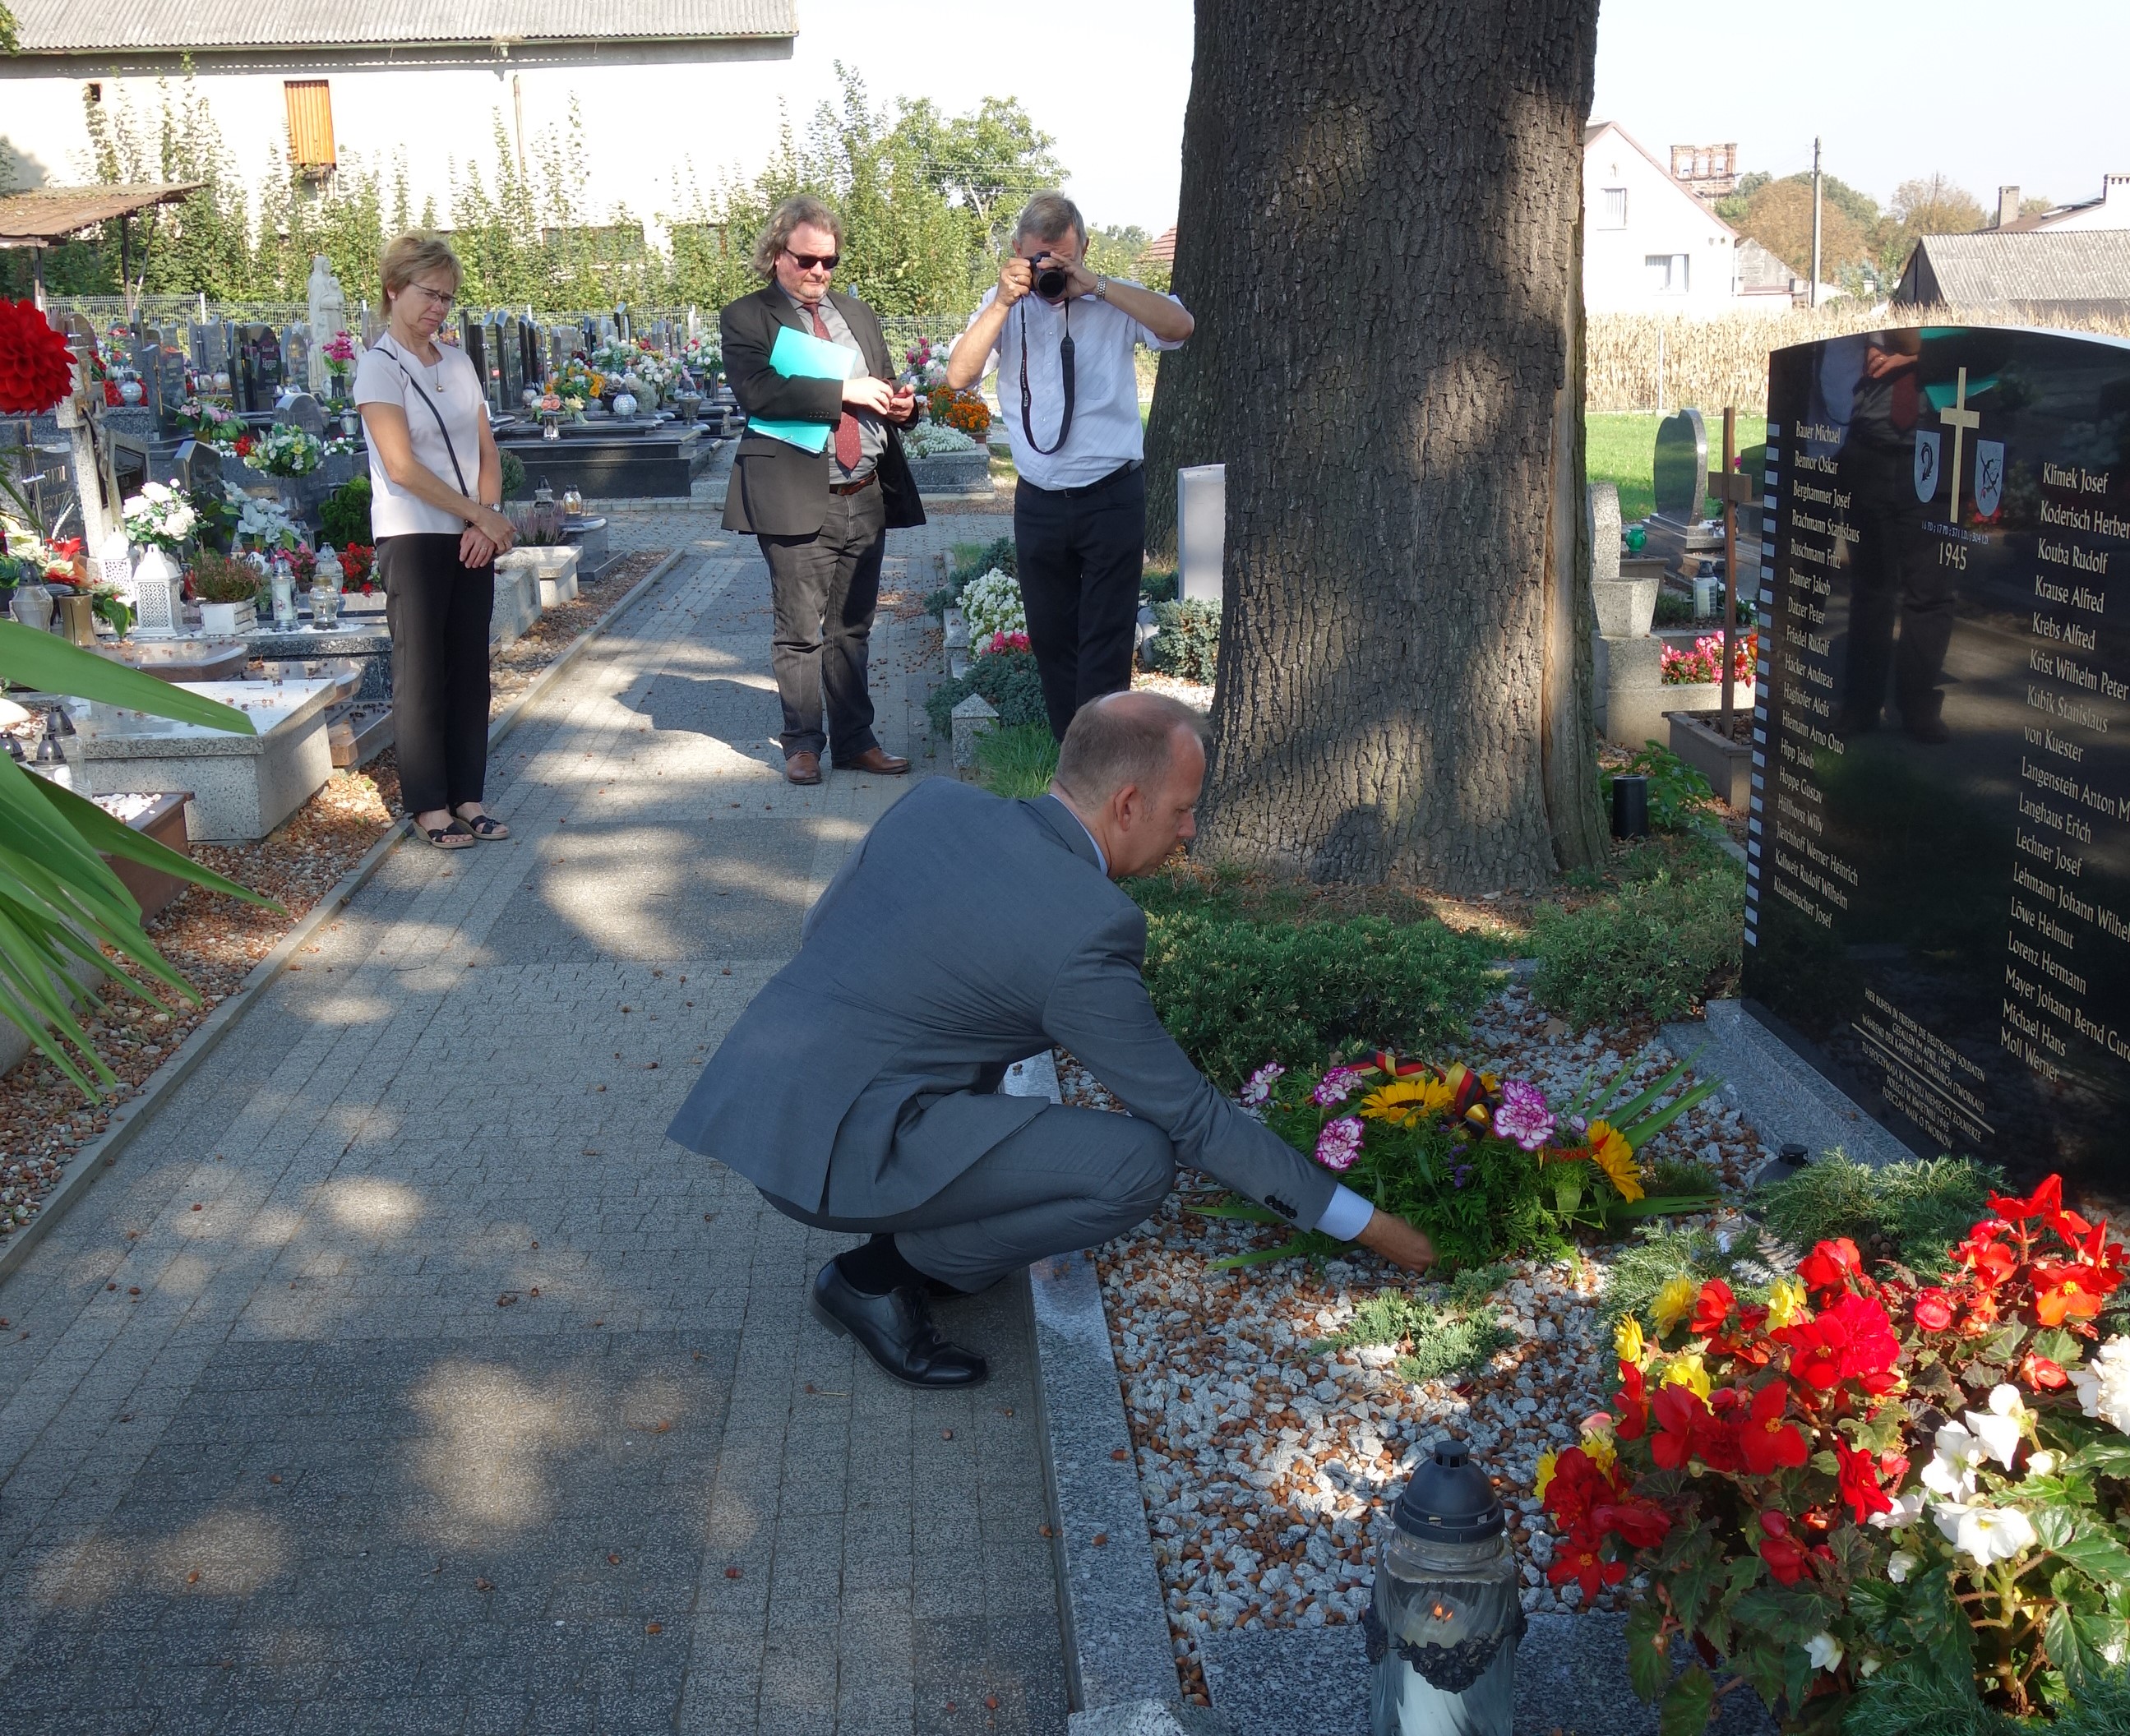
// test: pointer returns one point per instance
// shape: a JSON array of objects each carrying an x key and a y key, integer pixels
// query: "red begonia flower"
[
  {"x": 1769, "y": 1441},
  {"x": 1682, "y": 1414},
  {"x": 1933, "y": 1309},
  {"x": 1830, "y": 1266},
  {"x": 1858, "y": 1480}
]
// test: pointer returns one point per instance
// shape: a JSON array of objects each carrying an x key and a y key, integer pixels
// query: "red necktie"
[{"x": 846, "y": 430}]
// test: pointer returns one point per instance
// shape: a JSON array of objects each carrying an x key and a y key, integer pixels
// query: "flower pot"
[
  {"x": 1626, "y": 607},
  {"x": 228, "y": 618}
]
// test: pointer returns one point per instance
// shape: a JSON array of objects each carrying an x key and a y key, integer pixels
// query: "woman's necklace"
[{"x": 436, "y": 368}]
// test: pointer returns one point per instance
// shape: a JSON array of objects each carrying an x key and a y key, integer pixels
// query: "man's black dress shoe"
[{"x": 897, "y": 1331}]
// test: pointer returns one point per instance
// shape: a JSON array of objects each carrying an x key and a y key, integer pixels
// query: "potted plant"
[{"x": 227, "y": 591}]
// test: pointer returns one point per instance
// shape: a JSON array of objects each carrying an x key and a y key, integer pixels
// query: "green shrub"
[
  {"x": 1017, "y": 763},
  {"x": 513, "y": 476},
  {"x": 1676, "y": 789},
  {"x": 1007, "y": 679},
  {"x": 1158, "y": 584},
  {"x": 1661, "y": 1252},
  {"x": 1236, "y": 993},
  {"x": 1911, "y": 1212},
  {"x": 1655, "y": 949},
  {"x": 344, "y": 514},
  {"x": 1188, "y": 646}
]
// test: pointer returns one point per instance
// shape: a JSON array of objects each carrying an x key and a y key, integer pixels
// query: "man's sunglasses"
[{"x": 808, "y": 261}]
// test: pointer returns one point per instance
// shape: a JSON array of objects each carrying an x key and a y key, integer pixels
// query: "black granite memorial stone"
[
  {"x": 258, "y": 378},
  {"x": 1938, "y": 882},
  {"x": 473, "y": 340},
  {"x": 510, "y": 358}
]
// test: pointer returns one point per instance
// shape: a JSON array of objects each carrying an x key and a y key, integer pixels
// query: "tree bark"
[{"x": 1381, "y": 244}]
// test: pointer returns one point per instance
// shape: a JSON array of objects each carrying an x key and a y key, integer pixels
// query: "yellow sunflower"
[
  {"x": 1403, "y": 1101},
  {"x": 1610, "y": 1152}
]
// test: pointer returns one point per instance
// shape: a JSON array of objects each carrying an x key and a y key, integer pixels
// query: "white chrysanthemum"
[
  {"x": 1825, "y": 1650},
  {"x": 2104, "y": 1383}
]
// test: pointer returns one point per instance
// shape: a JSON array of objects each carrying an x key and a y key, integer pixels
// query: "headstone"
[
  {"x": 258, "y": 378},
  {"x": 509, "y": 362},
  {"x": 1201, "y": 529},
  {"x": 327, "y": 304},
  {"x": 1604, "y": 532},
  {"x": 297, "y": 345},
  {"x": 302, "y": 410},
  {"x": 473, "y": 339},
  {"x": 199, "y": 466},
  {"x": 1938, "y": 883},
  {"x": 529, "y": 349},
  {"x": 1677, "y": 533}
]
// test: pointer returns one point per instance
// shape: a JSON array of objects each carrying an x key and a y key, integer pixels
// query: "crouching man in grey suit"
[{"x": 858, "y": 1091}]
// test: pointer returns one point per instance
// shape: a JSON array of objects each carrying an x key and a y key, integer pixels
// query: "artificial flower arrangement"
[
  {"x": 339, "y": 353},
  {"x": 965, "y": 411},
  {"x": 576, "y": 384},
  {"x": 1484, "y": 1165},
  {"x": 1704, "y": 663},
  {"x": 926, "y": 362},
  {"x": 283, "y": 450},
  {"x": 211, "y": 424},
  {"x": 701, "y": 356},
  {"x": 991, "y": 604},
  {"x": 260, "y": 523},
  {"x": 36, "y": 368},
  {"x": 358, "y": 565},
  {"x": 160, "y": 517},
  {"x": 1756, "y": 1466}
]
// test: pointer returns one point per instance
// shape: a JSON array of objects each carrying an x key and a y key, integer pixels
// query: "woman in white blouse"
[{"x": 436, "y": 483}]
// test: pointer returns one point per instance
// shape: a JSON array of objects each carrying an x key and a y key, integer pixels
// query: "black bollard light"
[{"x": 1630, "y": 806}]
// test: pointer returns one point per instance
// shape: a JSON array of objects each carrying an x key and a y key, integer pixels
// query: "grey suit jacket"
[{"x": 966, "y": 933}]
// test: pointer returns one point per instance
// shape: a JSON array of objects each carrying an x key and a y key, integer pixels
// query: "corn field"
[{"x": 1642, "y": 362}]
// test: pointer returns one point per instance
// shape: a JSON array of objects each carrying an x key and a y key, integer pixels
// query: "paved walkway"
[{"x": 403, "y": 1377}]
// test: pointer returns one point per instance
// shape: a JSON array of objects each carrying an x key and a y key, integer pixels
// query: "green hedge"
[
  {"x": 1236, "y": 993},
  {"x": 1655, "y": 949}
]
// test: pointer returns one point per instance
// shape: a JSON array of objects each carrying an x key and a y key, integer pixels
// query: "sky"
[{"x": 1988, "y": 91}]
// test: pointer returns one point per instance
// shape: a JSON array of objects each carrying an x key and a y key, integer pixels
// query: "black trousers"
[
  {"x": 1080, "y": 557},
  {"x": 438, "y": 612},
  {"x": 822, "y": 591}
]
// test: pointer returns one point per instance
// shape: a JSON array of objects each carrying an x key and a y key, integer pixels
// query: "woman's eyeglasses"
[
  {"x": 808, "y": 261},
  {"x": 436, "y": 296}
]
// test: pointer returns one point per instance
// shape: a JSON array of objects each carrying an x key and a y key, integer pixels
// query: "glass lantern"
[
  {"x": 547, "y": 516},
  {"x": 1443, "y": 1625}
]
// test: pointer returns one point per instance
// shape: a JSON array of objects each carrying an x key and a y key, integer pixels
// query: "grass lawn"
[{"x": 1621, "y": 448}]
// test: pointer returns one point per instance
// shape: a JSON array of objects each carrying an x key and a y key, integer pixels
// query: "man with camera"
[{"x": 1064, "y": 337}]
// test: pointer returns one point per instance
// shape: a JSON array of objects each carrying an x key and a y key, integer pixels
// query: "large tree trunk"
[{"x": 1381, "y": 240}]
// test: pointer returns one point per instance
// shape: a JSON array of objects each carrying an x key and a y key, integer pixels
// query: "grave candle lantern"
[{"x": 1443, "y": 1622}]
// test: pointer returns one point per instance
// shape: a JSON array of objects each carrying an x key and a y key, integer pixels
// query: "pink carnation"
[
  {"x": 1523, "y": 1115},
  {"x": 1336, "y": 1086},
  {"x": 1339, "y": 1143},
  {"x": 1257, "y": 1086}
]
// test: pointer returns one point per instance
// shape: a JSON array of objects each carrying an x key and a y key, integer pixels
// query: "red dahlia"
[{"x": 36, "y": 368}]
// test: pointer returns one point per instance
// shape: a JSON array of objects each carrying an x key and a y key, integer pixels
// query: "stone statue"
[{"x": 328, "y": 314}]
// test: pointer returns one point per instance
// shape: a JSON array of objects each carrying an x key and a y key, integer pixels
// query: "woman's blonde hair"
[
  {"x": 801, "y": 208},
  {"x": 412, "y": 254}
]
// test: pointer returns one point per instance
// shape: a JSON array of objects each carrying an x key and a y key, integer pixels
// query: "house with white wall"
[
  {"x": 667, "y": 87},
  {"x": 2108, "y": 209},
  {"x": 1650, "y": 246}
]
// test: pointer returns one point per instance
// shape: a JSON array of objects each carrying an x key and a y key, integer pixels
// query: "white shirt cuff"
[{"x": 1347, "y": 1215}]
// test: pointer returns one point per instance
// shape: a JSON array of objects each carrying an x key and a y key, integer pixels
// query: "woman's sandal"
[
  {"x": 453, "y": 837},
  {"x": 484, "y": 827}
]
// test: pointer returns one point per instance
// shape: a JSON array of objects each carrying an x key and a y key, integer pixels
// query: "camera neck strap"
[{"x": 1065, "y": 367}]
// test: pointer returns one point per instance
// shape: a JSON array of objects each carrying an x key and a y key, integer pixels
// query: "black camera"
[{"x": 1050, "y": 278}]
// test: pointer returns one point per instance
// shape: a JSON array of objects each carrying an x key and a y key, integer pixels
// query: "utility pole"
[{"x": 1812, "y": 294}]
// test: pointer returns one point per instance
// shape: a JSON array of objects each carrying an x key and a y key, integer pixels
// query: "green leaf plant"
[{"x": 61, "y": 903}]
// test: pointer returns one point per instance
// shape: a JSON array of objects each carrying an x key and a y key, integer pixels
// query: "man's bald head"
[{"x": 1123, "y": 739}]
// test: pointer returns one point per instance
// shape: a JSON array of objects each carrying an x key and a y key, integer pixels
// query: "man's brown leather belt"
[{"x": 854, "y": 487}]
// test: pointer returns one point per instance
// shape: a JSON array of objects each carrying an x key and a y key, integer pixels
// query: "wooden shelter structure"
[{"x": 45, "y": 216}]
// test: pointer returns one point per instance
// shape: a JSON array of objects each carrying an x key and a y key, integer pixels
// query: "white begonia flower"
[
  {"x": 1900, "y": 1564},
  {"x": 1906, "y": 1510},
  {"x": 2104, "y": 1383},
  {"x": 1825, "y": 1650},
  {"x": 1950, "y": 1472},
  {"x": 1987, "y": 1533},
  {"x": 1868, "y": 1667},
  {"x": 1999, "y": 1435},
  {"x": 2040, "y": 1464}
]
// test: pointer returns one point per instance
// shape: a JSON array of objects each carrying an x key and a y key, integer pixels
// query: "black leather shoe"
[{"x": 897, "y": 1331}]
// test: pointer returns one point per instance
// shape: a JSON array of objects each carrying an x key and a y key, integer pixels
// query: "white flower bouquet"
[
  {"x": 285, "y": 449},
  {"x": 991, "y": 604},
  {"x": 160, "y": 516}
]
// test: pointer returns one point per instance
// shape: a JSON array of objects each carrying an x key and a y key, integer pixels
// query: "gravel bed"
[{"x": 1266, "y": 1471}]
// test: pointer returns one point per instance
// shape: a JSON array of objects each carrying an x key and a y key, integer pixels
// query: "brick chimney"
[{"x": 2007, "y": 206}]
